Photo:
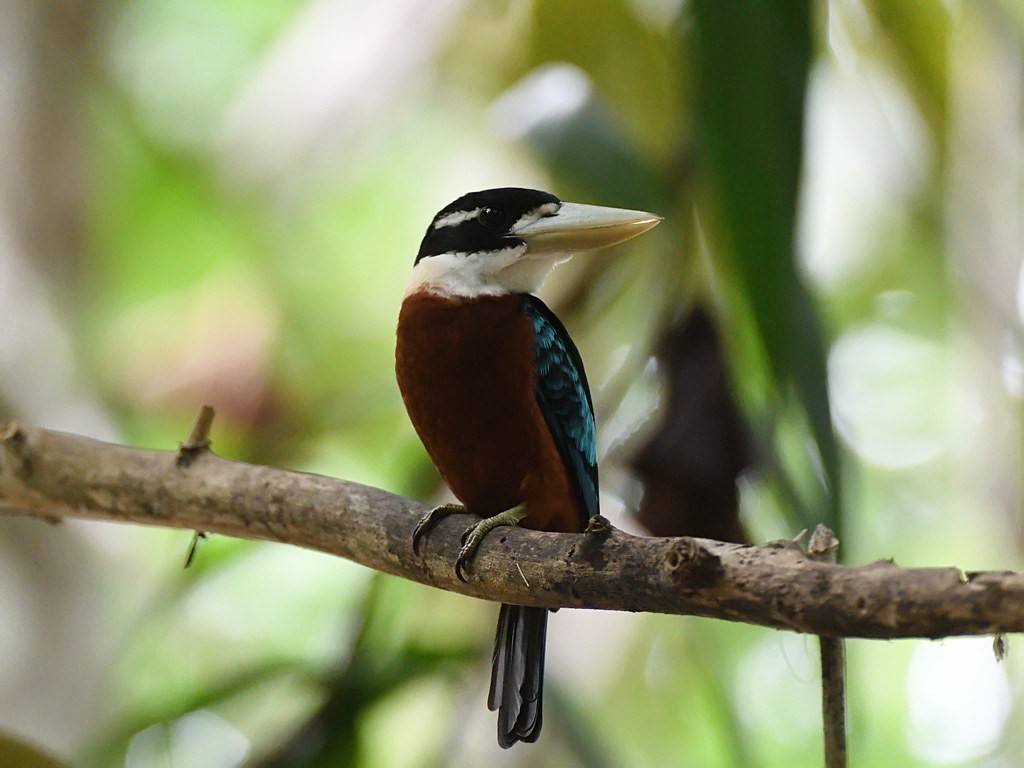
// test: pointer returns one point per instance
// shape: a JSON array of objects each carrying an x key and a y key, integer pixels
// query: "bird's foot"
[
  {"x": 432, "y": 518},
  {"x": 473, "y": 535}
]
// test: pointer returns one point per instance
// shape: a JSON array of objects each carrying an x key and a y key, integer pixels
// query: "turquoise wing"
[{"x": 564, "y": 399}]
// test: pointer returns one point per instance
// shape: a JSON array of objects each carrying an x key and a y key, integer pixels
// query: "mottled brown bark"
[{"x": 54, "y": 475}]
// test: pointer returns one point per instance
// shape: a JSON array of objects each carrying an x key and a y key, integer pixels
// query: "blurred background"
[{"x": 218, "y": 201}]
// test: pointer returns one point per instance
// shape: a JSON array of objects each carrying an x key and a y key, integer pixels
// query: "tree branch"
[
  {"x": 55, "y": 475},
  {"x": 823, "y": 547}
]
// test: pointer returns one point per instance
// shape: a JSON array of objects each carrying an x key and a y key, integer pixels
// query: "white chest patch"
[{"x": 493, "y": 273}]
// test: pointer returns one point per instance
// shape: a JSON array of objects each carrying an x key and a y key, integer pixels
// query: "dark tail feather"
[{"x": 517, "y": 673}]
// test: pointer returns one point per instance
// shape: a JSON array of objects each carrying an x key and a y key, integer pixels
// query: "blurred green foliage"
[{"x": 750, "y": 72}]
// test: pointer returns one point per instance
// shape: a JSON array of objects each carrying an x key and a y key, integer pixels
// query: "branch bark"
[{"x": 54, "y": 475}]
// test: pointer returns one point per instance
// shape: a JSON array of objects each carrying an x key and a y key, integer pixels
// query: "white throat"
[{"x": 470, "y": 275}]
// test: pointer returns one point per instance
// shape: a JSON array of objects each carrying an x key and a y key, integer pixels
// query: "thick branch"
[{"x": 54, "y": 475}]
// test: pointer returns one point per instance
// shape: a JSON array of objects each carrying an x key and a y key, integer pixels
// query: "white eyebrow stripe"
[
  {"x": 547, "y": 209},
  {"x": 452, "y": 219}
]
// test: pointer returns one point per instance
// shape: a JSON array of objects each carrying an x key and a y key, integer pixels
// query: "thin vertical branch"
[{"x": 822, "y": 547}]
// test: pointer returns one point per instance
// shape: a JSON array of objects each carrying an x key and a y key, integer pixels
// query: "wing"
[{"x": 564, "y": 398}]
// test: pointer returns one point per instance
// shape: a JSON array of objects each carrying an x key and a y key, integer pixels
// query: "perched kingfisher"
[{"x": 497, "y": 393}]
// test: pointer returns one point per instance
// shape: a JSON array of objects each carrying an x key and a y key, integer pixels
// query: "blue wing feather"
[{"x": 564, "y": 398}]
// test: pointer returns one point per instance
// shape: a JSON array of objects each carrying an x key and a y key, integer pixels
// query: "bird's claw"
[
  {"x": 462, "y": 565},
  {"x": 474, "y": 534},
  {"x": 471, "y": 538},
  {"x": 421, "y": 528},
  {"x": 429, "y": 520}
]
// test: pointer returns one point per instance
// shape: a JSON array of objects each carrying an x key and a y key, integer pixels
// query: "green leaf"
[
  {"x": 588, "y": 150},
  {"x": 919, "y": 35},
  {"x": 750, "y": 64},
  {"x": 632, "y": 63}
]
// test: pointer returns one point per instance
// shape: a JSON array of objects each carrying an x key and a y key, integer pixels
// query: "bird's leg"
[
  {"x": 473, "y": 535},
  {"x": 432, "y": 518}
]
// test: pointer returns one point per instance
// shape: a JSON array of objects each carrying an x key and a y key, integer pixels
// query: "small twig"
[
  {"x": 1000, "y": 647},
  {"x": 526, "y": 581},
  {"x": 197, "y": 443},
  {"x": 198, "y": 440},
  {"x": 822, "y": 547},
  {"x": 193, "y": 545}
]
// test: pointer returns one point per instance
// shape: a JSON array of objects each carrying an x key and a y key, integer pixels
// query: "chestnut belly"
[{"x": 466, "y": 373}]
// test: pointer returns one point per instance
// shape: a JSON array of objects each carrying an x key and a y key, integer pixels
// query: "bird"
[{"x": 496, "y": 390}]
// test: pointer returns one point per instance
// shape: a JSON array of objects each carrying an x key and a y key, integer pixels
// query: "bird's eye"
[{"x": 493, "y": 218}]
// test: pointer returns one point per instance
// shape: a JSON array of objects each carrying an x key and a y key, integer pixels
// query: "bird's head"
[{"x": 507, "y": 240}]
